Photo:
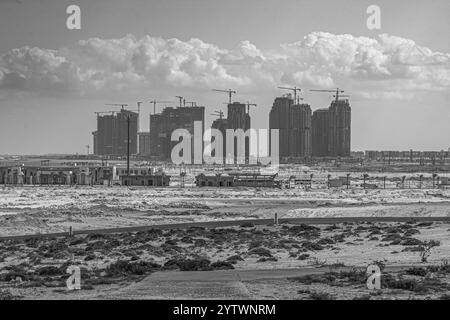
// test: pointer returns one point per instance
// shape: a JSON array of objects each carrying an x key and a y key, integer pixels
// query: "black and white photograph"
[{"x": 241, "y": 151}]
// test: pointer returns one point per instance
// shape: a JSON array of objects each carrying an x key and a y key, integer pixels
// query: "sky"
[{"x": 53, "y": 79}]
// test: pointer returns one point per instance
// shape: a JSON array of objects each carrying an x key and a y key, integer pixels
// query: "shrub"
[
  {"x": 195, "y": 265},
  {"x": 247, "y": 225},
  {"x": 425, "y": 249},
  {"x": 415, "y": 271},
  {"x": 49, "y": 271},
  {"x": 260, "y": 251},
  {"x": 6, "y": 295},
  {"x": 321, "y": 296},
  {"x": 222, "y": 265},
  {"x": 234, "y": 259},
  {"x": 124, "y": 268},
  {"x": 303, "y": 256}
]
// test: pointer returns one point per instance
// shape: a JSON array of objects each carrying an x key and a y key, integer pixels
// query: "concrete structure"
[
  {"x": 294, "y": 124},
  {"x": 279, "y": 119},
  {"x": 112, "y": 133},
  {"x": 221, "y": 125},
  {"x": 237, "y": 180},
  {"x": 300, "y": 141},
  {"x": 95, "y": 142},
  {"x": 214, "y": 180},
  {"x": 239, "y": 118},
  {"x": 144, "y": 143},
  {"x": 140, "y": 176},
  {"x": 411, "y": 156},
  {"x": 82, "y": 175},
  {"x": 162, "y": 125},
  {"x": 339, "y": 138},
  {"x": 320, "y": 128}
]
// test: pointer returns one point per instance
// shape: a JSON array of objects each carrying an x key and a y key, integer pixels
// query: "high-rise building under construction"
[
  {"x": 331, "y": 130},
  {"x": 239, "y": 118},
  {"x": 162, "y": 125},
  {"x": 339, "y": 134},
  {"x": 112, "y": 133},
  {"x": 320, "y": 129},
  {"x": 220, "y": 124},
  {"x": 294, "y": 124}
]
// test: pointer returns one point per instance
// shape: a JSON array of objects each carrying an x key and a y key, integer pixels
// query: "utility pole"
[{"x": 128, "y": 149}]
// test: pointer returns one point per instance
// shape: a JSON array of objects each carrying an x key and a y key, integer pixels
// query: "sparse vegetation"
[{"x": 425, "y": 249}]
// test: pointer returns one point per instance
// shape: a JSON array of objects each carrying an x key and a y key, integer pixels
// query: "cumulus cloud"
[{"x": 386, "y": 64}]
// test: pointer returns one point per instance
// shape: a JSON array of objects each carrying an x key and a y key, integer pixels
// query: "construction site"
[{"x": 144, "y": 227}]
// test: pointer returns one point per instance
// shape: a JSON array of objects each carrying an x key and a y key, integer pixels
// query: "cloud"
[{"x": 387, "y": 64}]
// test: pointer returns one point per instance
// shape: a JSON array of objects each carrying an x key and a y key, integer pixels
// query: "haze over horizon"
[{"x": 52, "y": 79}]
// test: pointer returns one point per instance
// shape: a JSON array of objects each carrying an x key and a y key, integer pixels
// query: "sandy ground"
[
  {"x": 35, "y": 268},
  {"x": 34, "y": 210}
]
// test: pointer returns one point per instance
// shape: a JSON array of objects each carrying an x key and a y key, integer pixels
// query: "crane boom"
[
  {"x": 336, "y": 91},
  {"x": 229, "y": 91},
  {"x": 294, "y": 89}
]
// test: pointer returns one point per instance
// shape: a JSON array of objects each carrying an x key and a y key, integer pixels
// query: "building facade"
[
  {"x": 170, "y": 119},
  {"x": 144, "y": 143},
  {"x": 112, "y": 133},
  {"x": 339, "y": 139},
  {"x": 295, "y": 126},
  {"x": 320, "y": 133},
  {"x": 238, "y": 118}
]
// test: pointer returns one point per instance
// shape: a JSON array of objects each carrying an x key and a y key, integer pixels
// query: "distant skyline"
[{"x": 52, "y": 79}]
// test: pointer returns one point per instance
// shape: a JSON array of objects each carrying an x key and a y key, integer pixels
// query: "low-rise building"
[{"x": 237, "y": 180}]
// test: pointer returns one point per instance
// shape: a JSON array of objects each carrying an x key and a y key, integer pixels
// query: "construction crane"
[
  {"x": 229, "y": 91},
  {"x": 182, "y": 100},
  {"x": 218, "y": 113},
  {"x": 336, "y": 91},
  {"x": 158, "y": 102},
  {"x": 295, "y": 89},
  {"x": 250, "y": 105}
]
